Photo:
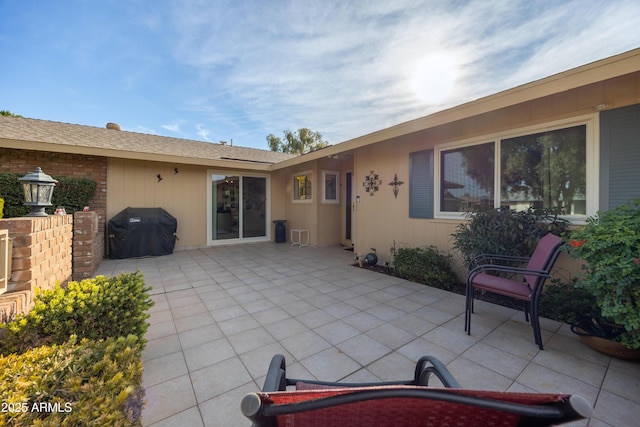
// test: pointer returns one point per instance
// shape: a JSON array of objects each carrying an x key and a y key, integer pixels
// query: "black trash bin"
[{"x": 281, "y": 230}]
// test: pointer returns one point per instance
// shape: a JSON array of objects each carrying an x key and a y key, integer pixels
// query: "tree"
[
  {"x": 8, "y": 113},
  {"x": 302, "y": 141}
]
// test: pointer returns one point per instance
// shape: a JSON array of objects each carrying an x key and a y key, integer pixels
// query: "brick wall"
[
  {"x": 42, "y": 256},
  {"x": 88, "y": 245},
  {"x": 62, "y": 164}
]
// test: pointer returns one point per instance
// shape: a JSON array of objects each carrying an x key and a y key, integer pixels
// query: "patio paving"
[{"x": 221, "y": 313}]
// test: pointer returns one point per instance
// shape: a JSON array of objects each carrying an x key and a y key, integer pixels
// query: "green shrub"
[
  {"x": 505, "y": 231},
  {"x": 95, "y": 308},
  {"x": 424, "y": 265},
  {"x": 72, "y": 193},
  {"x": 564, "y": 302},
  {"x": 610, "y": 245},
  {"x": 74, "y": 384},
  {"x": 1, "y": 207}
]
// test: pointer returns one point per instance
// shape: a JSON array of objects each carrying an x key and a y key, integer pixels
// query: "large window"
[{"x": 547, "y": 169}]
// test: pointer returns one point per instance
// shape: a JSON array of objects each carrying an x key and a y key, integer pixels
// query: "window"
[
  {"x": 547, "y": 169},
  {"x": 302, "y": 186},
  {"x": 330, "y": 187},
  {"x": 466, "y": 178}
]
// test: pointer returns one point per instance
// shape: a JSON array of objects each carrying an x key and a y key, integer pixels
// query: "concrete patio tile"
[
  {"x": 200, "y": 335},
  {"x": 452, "y": 337},
  {"x": 393, "y": 367},
  {"x": 391, "y": 336},
  {"x": 237, "y": 324},
  {"x": 421, "y": 347},
  {"x": 544, "y": 380},
  {"x": 208, "y": 353},
  {"x": 363, "y": 349},
  {"x": 336, "y": 332},
  {"x": 163, "y": 368},
  {"x": 413, "y": 324},
  {"x": 257, "y": 361},
  {"x": 255, "y": 296},
  {"x": 623, "y": 379},
  {"x": 506, "y": 364},
  {"x": 251, "y": 339},
  {"x": 167, "y": 399},
  {"x": 228, "y": 313},
  {"x": 224, "y": 410},
  {"x": 315, "y": 318},
  {"x": 574, "y": 366},
  {"x": 159, "y": 330},
  {"x": 219, "y": 378},
  {"x": 195, "y": 321},
  {"x": 189, "y": 310},
  {"x": 286, "y": 328},
  {"x": 616, "y": 411},
  {"x": 305, "y": 344},
  {"x": 330, "y": 365},
  {"x": 476, "y": 376},
  {"x": 363, "y": 321},
  {"x": 190, "y": 417},
  {"x": 162, "y": 346}
]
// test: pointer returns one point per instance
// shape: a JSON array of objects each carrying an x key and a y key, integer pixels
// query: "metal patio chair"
[
  {"x": 304, "y": 403},
  {"x": 487, "y": 271}
]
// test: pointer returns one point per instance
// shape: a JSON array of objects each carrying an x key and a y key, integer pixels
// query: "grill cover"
[{"x": 139, "y": 232}]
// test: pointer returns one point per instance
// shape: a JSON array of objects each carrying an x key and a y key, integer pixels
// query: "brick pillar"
[{"x": 88, "y": 244}]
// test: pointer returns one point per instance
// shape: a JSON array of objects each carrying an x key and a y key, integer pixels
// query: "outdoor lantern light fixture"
[{"x": 38, "y": 189}]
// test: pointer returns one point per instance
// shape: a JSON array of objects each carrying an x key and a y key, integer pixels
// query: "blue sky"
[{"x": 240, "y": 70}]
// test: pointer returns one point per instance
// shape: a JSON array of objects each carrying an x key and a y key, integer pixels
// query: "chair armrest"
[
  {"x": 276, "y": 375},
  {"x": 505, "y": 269},
  {"x": 428, "y": 365},
  {"x": 490, "y": 258}
]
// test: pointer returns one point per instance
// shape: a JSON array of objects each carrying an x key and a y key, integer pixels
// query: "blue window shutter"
[
  {"x": 421, "y": 184},
  {"x": 620, "y": 155}
]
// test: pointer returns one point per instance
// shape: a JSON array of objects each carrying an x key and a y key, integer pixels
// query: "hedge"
[
  {"x": 75, "y": 358},
  {"x": 96, "y": 308},
  {"x": 85, "y": 383},
  {"x": 72, "y": 193}
]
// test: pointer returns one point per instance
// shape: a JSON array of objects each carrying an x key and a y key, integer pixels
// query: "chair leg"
[
  {"x": 468, "y": 309},
  {"x": 535, "y": 323}
]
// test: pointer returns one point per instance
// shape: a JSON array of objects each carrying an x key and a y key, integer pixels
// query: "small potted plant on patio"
[{"x": 609, "y": 244}]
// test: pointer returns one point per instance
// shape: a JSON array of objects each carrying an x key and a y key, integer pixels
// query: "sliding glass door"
[{"x": 238, "y": 208}]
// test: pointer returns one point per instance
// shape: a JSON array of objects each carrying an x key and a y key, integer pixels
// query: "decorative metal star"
[
  {"x": 396, "y": 184},
  {"x": 372, "y": 183}
]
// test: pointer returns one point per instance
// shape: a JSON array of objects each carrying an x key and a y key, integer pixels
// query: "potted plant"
[{"x": 609, "y": 244}]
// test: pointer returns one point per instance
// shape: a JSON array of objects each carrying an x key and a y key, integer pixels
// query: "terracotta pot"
[{"x": 605, "y": 346}]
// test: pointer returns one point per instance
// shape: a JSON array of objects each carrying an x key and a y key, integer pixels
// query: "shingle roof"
[{"x": 65, "y": 134}]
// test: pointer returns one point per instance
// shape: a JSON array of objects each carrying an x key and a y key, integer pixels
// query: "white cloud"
[{"x": 349, "y": 68}]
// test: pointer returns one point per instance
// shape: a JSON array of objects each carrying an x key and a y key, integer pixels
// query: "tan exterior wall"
[
  {"x": 134, "y": 183},
  {"x": 382, "y": 219}
]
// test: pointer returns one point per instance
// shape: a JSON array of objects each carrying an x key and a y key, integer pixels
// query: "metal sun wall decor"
[
  {"x": 372, "y": 183},
  {"x": 396, "y": 185}
]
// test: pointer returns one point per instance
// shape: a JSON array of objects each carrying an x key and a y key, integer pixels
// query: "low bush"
[
  {"x": 505, "y": 231},
  {"x": 71, "y": 192},
  {"x": 77, "y": 383},
  {"x": 424, "y": 265},
  {"x": 96, "y": 309},
  {"x": 564, "y": 302}
]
